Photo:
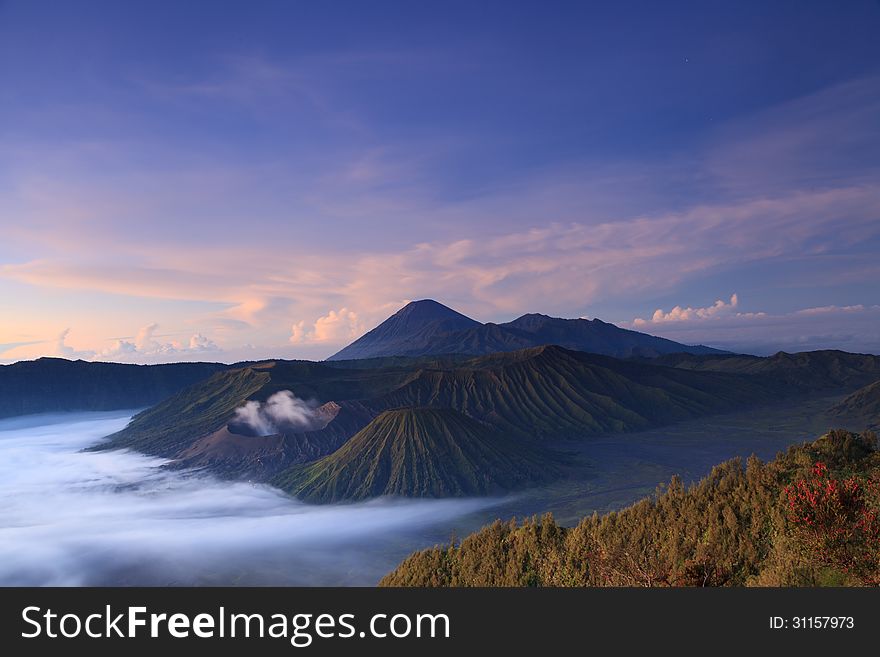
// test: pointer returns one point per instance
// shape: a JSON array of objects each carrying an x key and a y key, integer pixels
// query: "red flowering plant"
[{"x": 837, "y": 521}]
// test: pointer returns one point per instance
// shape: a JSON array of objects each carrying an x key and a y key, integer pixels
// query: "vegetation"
[
  {"x": 809, "y": 517},
  {"x": 421, "y": 452}
]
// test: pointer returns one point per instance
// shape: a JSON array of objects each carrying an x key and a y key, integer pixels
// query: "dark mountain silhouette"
[
  {"x": 55, "y": 385},
  {"x": 423, "y": 328},
  {"x": 421, "y": 452},
  {"x": 417, "y": 323}
]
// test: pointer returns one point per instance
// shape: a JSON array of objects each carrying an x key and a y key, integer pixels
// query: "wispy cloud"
[
  {"x": 64, "y": 350},
  {"x": 300, "y": 254},
  {"x": 556, "y": 267}
]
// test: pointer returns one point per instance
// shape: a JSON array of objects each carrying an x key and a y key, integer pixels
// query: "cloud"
[
  {"x": 762, "y": 189},
  {"x": 558, "y": 268},
  {"x": 146, "y": 345},
  {"x": 679, "y": 314},
  {"x": 336, "y": 327},
  {"x": 824, "y": 138},
  {"x": 64, "y": 350},
  {"x": 282, "y": 411},
  {"x": 73, "y": 518},
  {"x": 822, "y": 310},
  {"x": 10, "y": 346},
  {"x": 850, "y": 328}
]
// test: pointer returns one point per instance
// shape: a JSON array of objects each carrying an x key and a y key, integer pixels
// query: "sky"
[{"x": 241, "y": 180}]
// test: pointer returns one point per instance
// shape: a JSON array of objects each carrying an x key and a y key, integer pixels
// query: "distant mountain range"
[
  {"x": 423, "y": 328},
  {"x": 56, "y": 385}
]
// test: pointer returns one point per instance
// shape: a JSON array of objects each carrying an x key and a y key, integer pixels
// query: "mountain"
[
  {"x": 56, "y": 385},
  {"x": 547, "y": 393},
  {"x": 420, "y": 452},
  {"x": 863, "y": 404},
  {"x": 542, "y": 392},
  {"x": 599, "y": 337},
  {"x": 409, "y": 332},
  {"x": 808, "y": 371},
  {"x": 424, "y": 328},
  {"x": 532, "y": 397},
  {"x": 198, "y": 423}
]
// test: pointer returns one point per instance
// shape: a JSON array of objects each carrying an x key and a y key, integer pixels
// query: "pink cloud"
[
  {"x": 336, "y": 327},
  {"x": 553, "y": 268}
]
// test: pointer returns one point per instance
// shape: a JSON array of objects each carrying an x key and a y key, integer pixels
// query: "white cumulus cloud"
[
  {"x": 337, "y": 326},
  {"x": 146, "y": 344},
  {"x": 720, "y": 308}
]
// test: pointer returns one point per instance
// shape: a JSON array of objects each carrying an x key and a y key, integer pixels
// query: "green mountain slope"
[
  {"x": 419, "y": 452},
  {"x": 550, "y": 392},
  {"x": 196, "y": 411}
]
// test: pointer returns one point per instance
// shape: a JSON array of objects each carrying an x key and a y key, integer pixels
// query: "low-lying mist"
[{"x": 118, "y": 518}]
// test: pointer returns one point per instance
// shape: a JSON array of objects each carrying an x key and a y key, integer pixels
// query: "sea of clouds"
[{"x": 69, "y": 517}]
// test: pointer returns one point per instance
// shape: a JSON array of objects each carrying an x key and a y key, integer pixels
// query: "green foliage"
[{"x": 733, "y": 528}]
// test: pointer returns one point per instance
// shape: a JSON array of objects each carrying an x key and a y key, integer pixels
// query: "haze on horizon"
[{"x": 231, "y": 180}]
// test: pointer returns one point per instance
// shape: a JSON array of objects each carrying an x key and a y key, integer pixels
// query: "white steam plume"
[{"x": 283, "y": 410}]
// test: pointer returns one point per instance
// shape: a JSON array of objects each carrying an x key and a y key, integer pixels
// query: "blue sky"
[{"x": 226, "y": 180}]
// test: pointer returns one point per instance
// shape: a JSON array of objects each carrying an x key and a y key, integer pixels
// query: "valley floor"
[{"x": 612, "y": 471}]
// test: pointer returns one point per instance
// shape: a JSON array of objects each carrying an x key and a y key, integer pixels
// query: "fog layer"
[{"x": 82, "y": 518}]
